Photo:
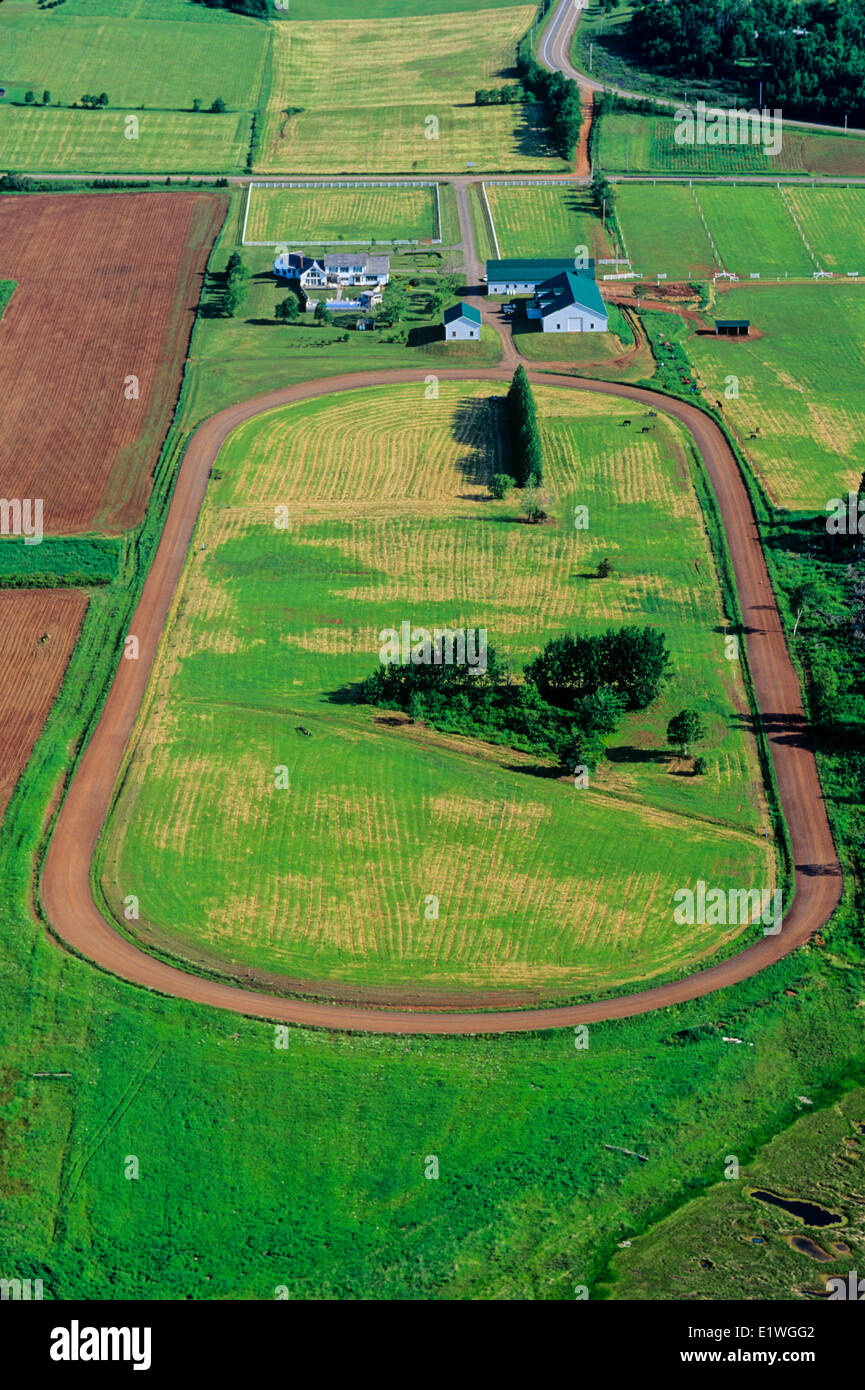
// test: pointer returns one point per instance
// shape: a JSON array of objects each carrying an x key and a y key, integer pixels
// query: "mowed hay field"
[
  {"x": 38, "y": 629},
  {"x": 541, "y": 887},
  {"x": 631, "y": 142},
  {"x": 108, "y": 287},
  {"x": 182, "y": 52},
  {"x": 800, "y": 383},
  {"x": 341, "y": 214},
  {"x": 355, "y": 96},
  {"x": 52, "y": 139},
  {"x": 545, "y": 220}
]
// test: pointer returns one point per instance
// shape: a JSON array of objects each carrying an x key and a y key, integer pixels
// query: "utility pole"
[
  {"x": 591, "y": 46},
  {"x": 760, "y": 102},
  {"x": 845, "y": 120}
]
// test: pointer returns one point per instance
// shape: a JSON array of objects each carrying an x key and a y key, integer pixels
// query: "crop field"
[
  {"x": 729, "y": 1245},
  {"x": 636, "y": 143},
  {"x": 119, "y": 301},
  {"x": 38, "y": 629},
  {"x": 389, "y": 520},
  {"x": 356, "y": 98},
  {"x": 52, "y": 139},
  {"x": 545, "y": 220},
  {"x": 807, "y": 404},
  {"x": 353, "y": 215}
]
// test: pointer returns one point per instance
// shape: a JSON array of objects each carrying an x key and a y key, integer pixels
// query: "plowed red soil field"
[
  {"x": 38, "y": 629},
  {"x": 108, "y": 285}
]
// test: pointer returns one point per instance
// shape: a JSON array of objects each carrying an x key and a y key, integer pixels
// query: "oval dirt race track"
[{"x": 66, "y": 890}]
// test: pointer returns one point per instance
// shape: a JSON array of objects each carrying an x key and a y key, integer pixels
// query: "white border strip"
[
  {"x": 342, "y": 183},
  {"x": 492, "y": 225}
]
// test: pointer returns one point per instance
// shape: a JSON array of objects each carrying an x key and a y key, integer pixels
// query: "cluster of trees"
[
  {"x": 527, "y": 459},
  {"x": 91, "y": 102},
  {"x": 236, "y": 284},
  {"x": 560, "y": 98},
  {"x": 288, "y": 309},
  {"x": 30, "y": 98},
  {"x": 394, "y": 302},
  {"x": 809, "y": 53},
  {"x": 631, "y": 660},
  {"x": 217, "y": 107},
  {"x": 256, "y": 9},
  {"x": 558, "y": 710},
  {"x": 499, "y": 96}
]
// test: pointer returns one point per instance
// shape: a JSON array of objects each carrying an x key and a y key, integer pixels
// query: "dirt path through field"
[{"x": 66, "y": 886}]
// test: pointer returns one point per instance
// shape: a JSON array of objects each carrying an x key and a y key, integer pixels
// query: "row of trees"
[
  {"x": 559, "y": 710},
  {"x": 527, "y": 459},
  {"x": 560, "y": 98},
  {"x": 256, "y": 9},
  {"x": 236, "y": 284},
  {"x": 809, "y": 53},
  {"x": 499, "y": 96}
]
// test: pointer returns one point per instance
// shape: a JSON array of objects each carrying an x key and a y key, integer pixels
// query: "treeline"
[
  {"x": 574, "y": 694},
  {"x": 809, "y": 54},
  {"x": 560, "y": 98},
  {"x": 256, "y": 9},
  {"x": 526, "y": 456}
]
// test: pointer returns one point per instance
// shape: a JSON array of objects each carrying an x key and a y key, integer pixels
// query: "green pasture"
[
  {"x": 800, "y": 384},
  {"x": 334, "y": 214},
  {"x": 728, "y": 1245},
  {"x": 662, "y": 230},
  {"x": 755, "y": 232},
  {"x": 390, "y": 521},
  {"x": 833, "y": 220},
  {"x": 181, "y": 51},
  {"x": 545, "y": 220}
]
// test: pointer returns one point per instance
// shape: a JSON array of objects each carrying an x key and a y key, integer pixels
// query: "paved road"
[
  {"x": 555, "y": 53},
  {"x": 65, "y": 885}
]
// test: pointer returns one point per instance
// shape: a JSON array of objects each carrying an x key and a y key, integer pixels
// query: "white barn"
[{"x": 462, "y": 323}]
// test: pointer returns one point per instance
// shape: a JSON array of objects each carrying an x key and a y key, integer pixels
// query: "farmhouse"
[
  {"x": 524, "y": 276},
  {"x": 462, "y": 322},
  {"x": 341, "y": 268},
  {"x": 569, "y": 303}
]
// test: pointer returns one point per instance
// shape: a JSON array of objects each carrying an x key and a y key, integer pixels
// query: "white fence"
[{"x": 345, "y": 183}]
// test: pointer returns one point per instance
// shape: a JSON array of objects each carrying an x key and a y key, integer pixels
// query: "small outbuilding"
[
  {"x": 462, "y": 322},
  {"x": 732, "y": 328}
]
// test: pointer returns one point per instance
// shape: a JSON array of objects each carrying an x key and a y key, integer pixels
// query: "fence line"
[{"x": 354, "y": 183}]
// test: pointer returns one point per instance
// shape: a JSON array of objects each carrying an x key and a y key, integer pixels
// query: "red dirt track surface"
[
  {"x": 66, "y": 887},
  {"x": 107, "y": 288},
  {"x": 38, "y": 630}
]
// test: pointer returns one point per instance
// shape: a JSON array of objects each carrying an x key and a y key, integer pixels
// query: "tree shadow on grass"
[
  {"x": 627, "y": 753},
  {"x": 479, "y": 422}
]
